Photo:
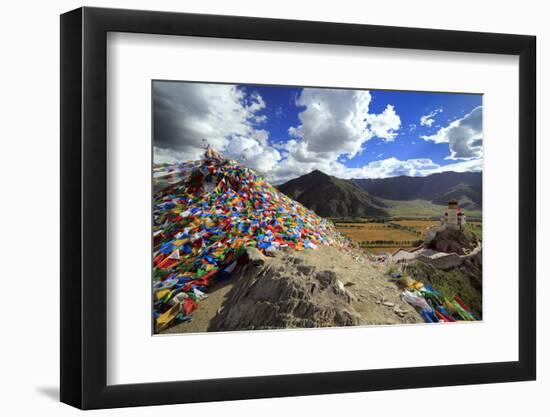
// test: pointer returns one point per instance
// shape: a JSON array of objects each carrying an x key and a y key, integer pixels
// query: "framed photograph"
[{"x": 257, "y": 208}]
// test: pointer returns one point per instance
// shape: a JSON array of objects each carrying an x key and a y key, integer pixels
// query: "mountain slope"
[
  {"x": 466, "y": 187},
  {"x": 332, "y": 197},
  {"x": 465, "y": 194}
]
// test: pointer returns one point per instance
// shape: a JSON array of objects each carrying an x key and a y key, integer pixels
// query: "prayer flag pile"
[
  {"x": 205, "y": 214},
  {"x": 433, "y": 306}
]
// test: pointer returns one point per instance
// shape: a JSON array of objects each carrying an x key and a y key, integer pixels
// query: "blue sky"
[{"x": 285, "y": 132}]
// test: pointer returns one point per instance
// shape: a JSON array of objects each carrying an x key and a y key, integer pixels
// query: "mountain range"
[
  {"x": 466, "y": 187},
  {"x": 329, "y": 196}
]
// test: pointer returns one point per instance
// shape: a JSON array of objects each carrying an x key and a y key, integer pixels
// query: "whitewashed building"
[{"x": 453, "y": 216}]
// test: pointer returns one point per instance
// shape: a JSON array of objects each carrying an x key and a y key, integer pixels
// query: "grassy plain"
[
  {"x": 380, "y": 237},
  {"x": 421, "y": 209},
  {"x": 407, "y": 223},
  {"x": 421, "y": 226},
  {"x": 374, "y": 231},
  {"x": 476, "y": 227}
]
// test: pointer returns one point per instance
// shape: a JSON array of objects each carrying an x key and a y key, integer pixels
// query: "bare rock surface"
[
  {"x": 454, "y": 240},
  {"x": 280, "y": 295}
]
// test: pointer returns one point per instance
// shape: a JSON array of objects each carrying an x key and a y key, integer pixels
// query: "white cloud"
[
  {"x": 167, "y": 156},
  {"x": 462, "y": 166},
  {"x": 389, "y": 167},
  {"x": 333, "y": 121},
  {"x": 464, "y": 136},
  {"x": 186, "y": 115},
  {"x": 261, "y": 136},
  {"x": 336, "y": 122},
  {"x": 385, "y": 124},
  {"x": 428, "y": 119},
  {"x": 253, "y": 154},
  {"x": 392, "y": 167}
]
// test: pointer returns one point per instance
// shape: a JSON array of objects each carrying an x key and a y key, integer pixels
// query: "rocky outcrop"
[
  {"x": 474, "y": 269},
  {"x": 285, "y": 294},
  {"x": 453, "y": 240}
]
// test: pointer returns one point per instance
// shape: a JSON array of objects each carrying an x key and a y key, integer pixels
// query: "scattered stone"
[
  {"x": 388, "y": 303},
  {"x": 255, "y": 257},
  {"x": 341, "y": 286},
  {"x": 326, "y": 278},
  {"x": 271, "y": 251},
  {"x": 399, "y": 311},
  {"x": 304, "y": 269}
]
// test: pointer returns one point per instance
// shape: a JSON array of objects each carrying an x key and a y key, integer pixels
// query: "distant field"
[
  {"x": 380, "y": 237},
  {"x": 421, "y": 209},
  {"x": 421, "y": 226},
  {"x": 407, "y": 224},
  {"x": 476, "y": 228},
  {"x": 374, "y": 231}
]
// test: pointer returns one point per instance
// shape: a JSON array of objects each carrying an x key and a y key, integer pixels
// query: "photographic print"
[{"x": 284, "y": 207}]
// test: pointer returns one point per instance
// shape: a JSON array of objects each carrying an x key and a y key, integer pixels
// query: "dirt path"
[{"x": 374, "y": 296}]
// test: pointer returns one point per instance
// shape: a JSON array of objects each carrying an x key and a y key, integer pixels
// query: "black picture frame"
[{"x": 84, "y": 207}]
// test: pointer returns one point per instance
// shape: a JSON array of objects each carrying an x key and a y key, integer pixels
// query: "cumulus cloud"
[
  {"x": 187, "y": 116},
  {"x": 338, "y": 122},
  {"x": 334, "y": 124},
  {"x": 385, "y": 124},
  {"x": 167, "y": 156},
  {"x": 254, "y": 154},
  {"x": 471, "y": 165},
  {"x": 464, "y": 136},
  {"x": 428, "y": 119},
  {"x": 392, "y": 167}
]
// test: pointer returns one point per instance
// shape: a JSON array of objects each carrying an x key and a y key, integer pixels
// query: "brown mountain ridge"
[{"x": 329, "y": 196}]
